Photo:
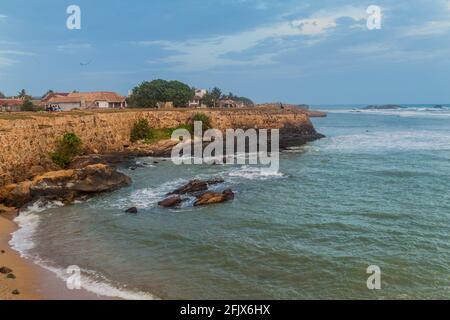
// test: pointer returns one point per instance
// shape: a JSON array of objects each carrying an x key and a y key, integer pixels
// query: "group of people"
[{"x": 54, "y": 108}]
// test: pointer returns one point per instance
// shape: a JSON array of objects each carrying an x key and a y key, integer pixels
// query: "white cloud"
[
  {"x": 431, "y": 28},
  {"x": 16, "y": 53},
  {"x": 6, "y": 61},
  {"x": 201, "y": 54},
  {"x": 2, "y": 16},
  {"x": 73, "y": 46}
]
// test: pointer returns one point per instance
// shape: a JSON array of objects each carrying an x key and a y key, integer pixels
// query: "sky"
[{"x": 313, "y": 52}]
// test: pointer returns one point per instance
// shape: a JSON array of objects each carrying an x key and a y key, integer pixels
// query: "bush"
[
  {"x": 141, "y": 131},
  {"x": 204, "y": 119},
  {"x": 67, "y": 148},
  {"x": 28, "y": 105}
]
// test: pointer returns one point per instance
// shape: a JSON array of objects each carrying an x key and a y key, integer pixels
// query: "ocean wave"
[
  {"x": 23, "y": 241},
  {"x": 408, "y": 112},
  {"x": 390, "y": 141},
  {"x": 28, "y": 221},
  {"x": 255, "y": 173}
]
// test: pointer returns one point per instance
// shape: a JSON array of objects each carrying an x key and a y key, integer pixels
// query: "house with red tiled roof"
[
  {"x": 87, "y": 100},
  {"x": 11, "y": 105}
]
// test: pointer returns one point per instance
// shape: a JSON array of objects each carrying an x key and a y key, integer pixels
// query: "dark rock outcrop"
[
  {"x": 5, "y": 270},
  {"x": 195, "y": 186},
  {"x": 64, "y": 185},
  {"x": 208, "y": 198},
  {"x": 132, "y": 210},
  {"x": 170, "y": 202}
]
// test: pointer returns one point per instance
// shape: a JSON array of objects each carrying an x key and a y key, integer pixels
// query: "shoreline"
[{"x": 32, "y": 281}]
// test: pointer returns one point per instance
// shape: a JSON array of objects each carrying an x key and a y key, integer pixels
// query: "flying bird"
[{"x": 85, "y": 64}]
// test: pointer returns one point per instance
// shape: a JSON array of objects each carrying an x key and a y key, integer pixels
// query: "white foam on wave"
[
  {"x": 418, "y": 112},
  {"x": 23, "y": 241},
  {"x": 28, "y": 220},
  {"x": 145, "y": 197},
  {"x": 255, "y": 173},
  {"x": 390, "y": 141}
]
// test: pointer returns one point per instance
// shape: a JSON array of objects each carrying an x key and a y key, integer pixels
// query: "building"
[
  {"x": 11, "y": 105},
  {"x": 196, "y": 101},
  {"x": 228, "y": 103},
  {"x": 86, "y": 100}
]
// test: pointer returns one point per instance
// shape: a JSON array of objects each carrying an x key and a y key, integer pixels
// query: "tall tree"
[
  {"x": 148, "y": 94},
  {"x": 2, "y": 96},
  {"x": 22, "y": 93}
]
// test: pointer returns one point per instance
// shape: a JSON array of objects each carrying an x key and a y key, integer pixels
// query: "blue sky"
[{"x": 316, "y": 52}]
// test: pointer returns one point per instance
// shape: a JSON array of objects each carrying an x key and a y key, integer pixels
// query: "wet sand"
[{"x": 31, "y": 281}]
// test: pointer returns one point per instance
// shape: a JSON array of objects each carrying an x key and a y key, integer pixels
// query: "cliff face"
[{"x": 27, "y": 139}]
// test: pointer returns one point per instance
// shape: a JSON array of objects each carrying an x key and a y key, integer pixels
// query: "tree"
[
  {"x": 28, "y": 105},
  {"x": 22, "y": 93},
  {"x": 211, "y": 98},
  {"x": 148, "y": 94},
  {"x": 47, "y": 93},
  {"x": 2, "y": 96}
]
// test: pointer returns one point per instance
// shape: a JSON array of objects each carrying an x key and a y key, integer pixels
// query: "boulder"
[
  {"x": 170, "y": 202},
  {"x": 195, "y": 186},
  {"x": 208, "y": 198},
  {"x": 5, "y": 270},
  {"x": 64, "y": 185},
  {"x": 132, "y": 210}
]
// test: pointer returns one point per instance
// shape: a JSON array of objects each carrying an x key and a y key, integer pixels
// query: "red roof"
[{"x": 11, "y": 102}]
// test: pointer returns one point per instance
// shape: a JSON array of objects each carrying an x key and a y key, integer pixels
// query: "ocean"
[{"x": 375, "y": 191}]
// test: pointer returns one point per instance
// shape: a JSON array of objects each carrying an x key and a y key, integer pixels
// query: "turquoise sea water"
[{"x": 375, "y": 191}]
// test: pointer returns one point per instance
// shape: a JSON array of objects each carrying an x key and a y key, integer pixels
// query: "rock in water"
[
  {"x": 170, "y": 202},
  {"x": 214, "y": 197},
  {"x": 10, "y": 276},
  {"x": 132, "y": 210},
  {"x": 5, "y": 270},
  {"x": 16, "y": 292},
  {"x": 195, "y": 186}
]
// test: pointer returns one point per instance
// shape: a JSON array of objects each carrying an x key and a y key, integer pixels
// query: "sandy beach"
[{"x": 30, "y": 281}]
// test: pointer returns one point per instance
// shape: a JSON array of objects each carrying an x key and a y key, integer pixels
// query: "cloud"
[
  {"x": 73, "y": 46},
  {"x": 6, "y": 61},
  {"x": 16, "y": 53},
  {"x": 207, "y": 53},
  {"x": 430, "y": 28},
  {"x": 2, "y": 16}
]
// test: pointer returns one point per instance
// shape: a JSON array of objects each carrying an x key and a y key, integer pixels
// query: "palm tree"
[{"x": 22, "y": 93}]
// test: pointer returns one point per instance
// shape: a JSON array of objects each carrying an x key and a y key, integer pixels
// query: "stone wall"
[{"x": 27, "y": 139}]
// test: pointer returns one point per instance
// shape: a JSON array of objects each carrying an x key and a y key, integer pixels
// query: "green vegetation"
[
  {"x": 204, "y": 119},
  {"x": 141, "y": 131},
  {"x": 211, "y": 99},
  {"x": 67, "y": 148},
  {"x": 28, "y": 105},
  {"x": 148, "y": 94},
  {"x": 2, "y": 96},
  {"x": 246, "y": 101}
]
